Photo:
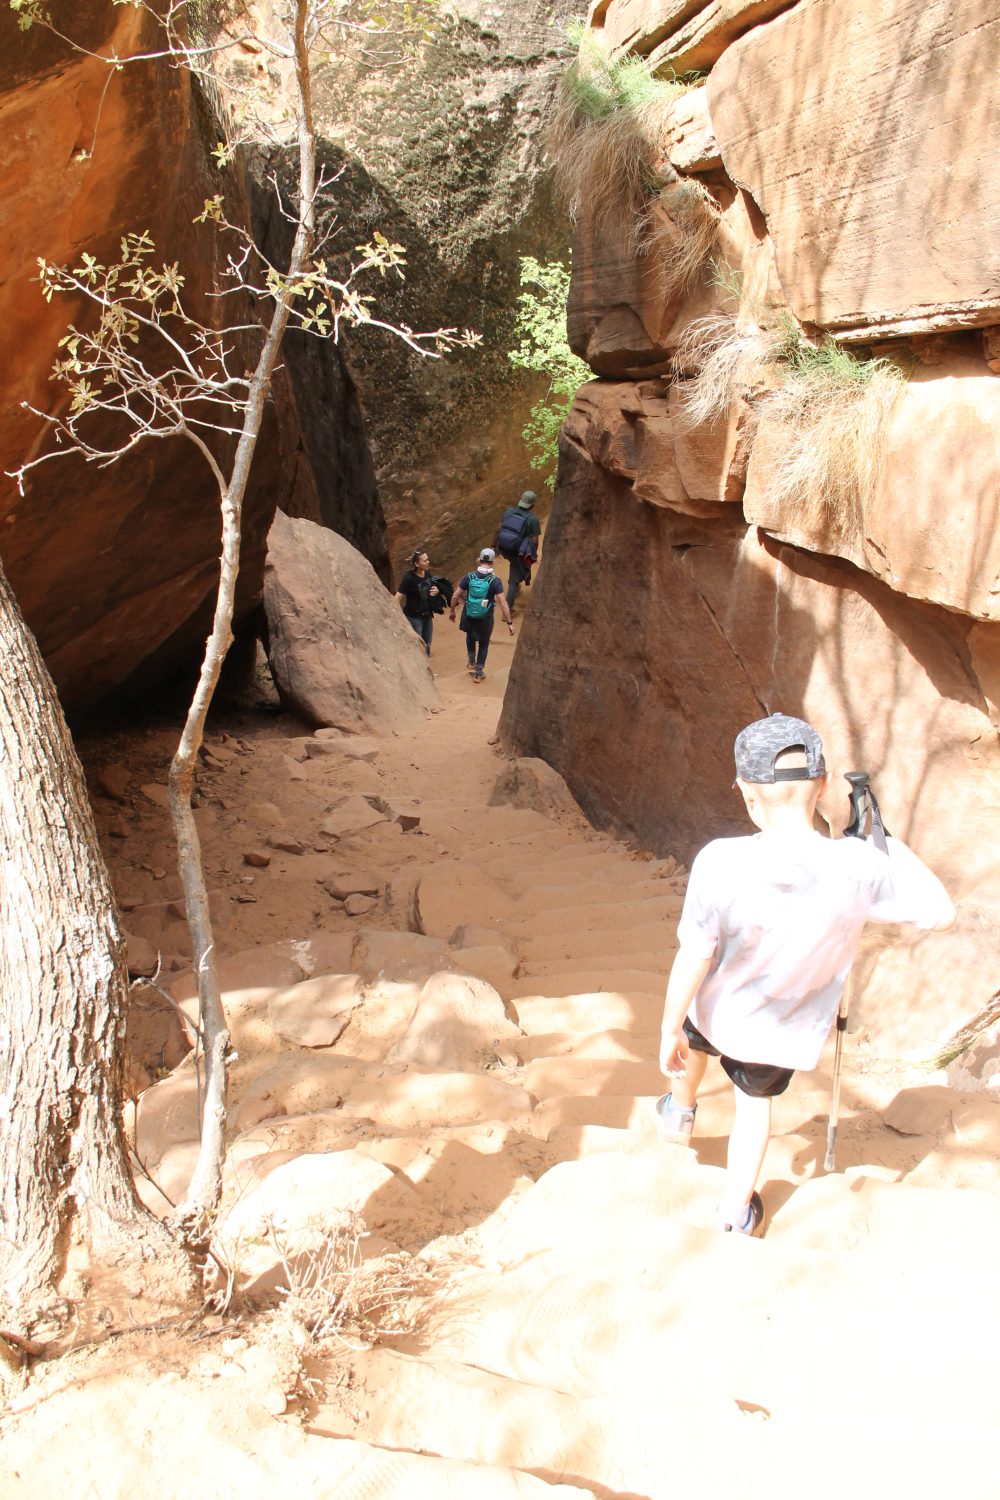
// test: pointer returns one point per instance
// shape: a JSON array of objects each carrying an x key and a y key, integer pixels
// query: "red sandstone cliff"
[{"x": 692, "y": 581}]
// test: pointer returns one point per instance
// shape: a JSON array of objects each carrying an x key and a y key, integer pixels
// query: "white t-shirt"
[{"x": 782, "y": 914}]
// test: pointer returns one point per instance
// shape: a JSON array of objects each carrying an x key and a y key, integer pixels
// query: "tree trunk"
[
  {"x": 63, "y": 1001},
  {"x": 194, "y": 1215}
]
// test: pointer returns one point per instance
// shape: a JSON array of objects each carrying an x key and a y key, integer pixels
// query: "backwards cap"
[
  {"x": 487, "y": 555},
  {"x": 760, "y": 744}
]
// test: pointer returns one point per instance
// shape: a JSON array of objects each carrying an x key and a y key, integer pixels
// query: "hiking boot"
[
  {"x": 478, "y": 675},
  {"x": 753, "y": 1223},
  {"x": 676, "y": 1124}
]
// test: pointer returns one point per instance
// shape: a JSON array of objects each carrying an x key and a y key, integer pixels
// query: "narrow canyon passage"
[{"x": 446, "y": 1015}]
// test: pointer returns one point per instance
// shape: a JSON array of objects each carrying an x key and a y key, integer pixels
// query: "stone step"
[
  {"x": 520, "y": 869},
  {"x": 608, "y": 941},
  {"x": 569, "y": 977},
  {"x": 628, "y": 1010},
  {"x": 609, "y": 1266},
  {"x": 440, "y": 1406},
  {"x": 646, "y": 899}
]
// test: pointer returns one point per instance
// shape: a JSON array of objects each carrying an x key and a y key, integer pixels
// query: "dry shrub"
[
  {"x": 961, "y": 1040},
  {"x": 332, "y": 1291}
]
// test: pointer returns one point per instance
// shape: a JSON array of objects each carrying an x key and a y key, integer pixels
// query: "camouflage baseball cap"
[{"x": 760, "y": 743}]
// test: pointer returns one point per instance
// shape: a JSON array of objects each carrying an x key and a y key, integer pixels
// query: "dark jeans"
[
  {"x": 477, "y": 640},
  {"x": 518, "y": 574},
  {"x": 424, "y": 628}
]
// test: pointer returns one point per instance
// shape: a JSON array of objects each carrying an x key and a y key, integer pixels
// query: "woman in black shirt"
[{"x": 415, "y": 593}]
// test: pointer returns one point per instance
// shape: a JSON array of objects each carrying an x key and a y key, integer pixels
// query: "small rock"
[
  {"x": 357, "y": 746},
  {"x": 274, "y": 1402},
  {"x": 141, "y": 956},
  {"x": 245, "y": 898},
  {"x": 350, "y": 816},
  {"x": 353, "y": 883},
  {"x": 357, "y": 906},
  {"x": 267, "y": 813},
  {"x": 118, "y": 829},
  {"x": 531, "y": 783},
  {"x": 293, "y": 771},
  {"x": 405, "y": 814},
  {"x": 256, "y": 857},
  {"x": 113, "y": 781},
  {"x": 220, "y": 753},
  {"x": 919, "y": 1111},
  {"x": 156, "y": 793},
  {"x": 287, "y": 843},
  {"x": 315, "y": 1012}
]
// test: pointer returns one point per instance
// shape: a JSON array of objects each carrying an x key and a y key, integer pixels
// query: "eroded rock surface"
[{"x": 870, "y": 206}]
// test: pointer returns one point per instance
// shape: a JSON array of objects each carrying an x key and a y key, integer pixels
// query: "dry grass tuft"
[
  {"x": 961, "y": 1040},
  {"x": 682, "y": 235},
  {"x": 832, "y": 410},
  {"x": 605, "y": 132},
  {"x": 733, "y": 359},
  {"x": 834, "y": 434},
  {"x": 331, "y": 1291}
]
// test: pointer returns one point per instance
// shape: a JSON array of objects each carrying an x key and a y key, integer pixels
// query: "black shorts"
[{"x": 759, "y": 1080}]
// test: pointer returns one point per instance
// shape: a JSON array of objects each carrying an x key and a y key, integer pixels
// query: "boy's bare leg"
[
  {"x": 684, "y": 1089},
  {"x": 747, "y": 1146}
]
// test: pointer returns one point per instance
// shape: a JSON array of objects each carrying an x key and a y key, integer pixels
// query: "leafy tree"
[{"x": 542, "y": 347}]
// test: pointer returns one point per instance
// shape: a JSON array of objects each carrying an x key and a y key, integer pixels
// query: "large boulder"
[
  {"x": 861, "y": 135},
  {"x": 340, "y": 649}
]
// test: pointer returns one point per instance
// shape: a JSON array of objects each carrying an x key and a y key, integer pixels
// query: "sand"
[{"x": 455, "y": 1082}]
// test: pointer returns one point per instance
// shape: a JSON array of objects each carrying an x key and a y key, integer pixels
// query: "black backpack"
[{"x": 511, "y": 532}]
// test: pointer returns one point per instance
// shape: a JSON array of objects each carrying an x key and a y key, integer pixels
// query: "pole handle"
[{"x": 863, "y": 803}]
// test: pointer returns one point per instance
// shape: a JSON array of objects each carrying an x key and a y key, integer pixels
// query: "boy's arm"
[
  {"x": 686, "y": 975},
  {"x": 911, "y": 893}
]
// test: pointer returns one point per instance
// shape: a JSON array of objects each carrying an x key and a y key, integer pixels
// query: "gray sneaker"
[
  {"x": 753, "y": 1224},
  {"x": 676, "y": 1124}
]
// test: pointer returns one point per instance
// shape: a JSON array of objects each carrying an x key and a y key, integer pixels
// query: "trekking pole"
[{"x": 863, "y": 805}]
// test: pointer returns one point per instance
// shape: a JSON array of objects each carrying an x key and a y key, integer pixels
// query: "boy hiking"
[{"x": 768, "y": 934}]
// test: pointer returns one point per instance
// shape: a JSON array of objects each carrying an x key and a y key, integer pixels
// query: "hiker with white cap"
[
  {"x": 768, "y": 934},
  {"x": 517, "y": 541},
  {"x": 478, "y": 593}
]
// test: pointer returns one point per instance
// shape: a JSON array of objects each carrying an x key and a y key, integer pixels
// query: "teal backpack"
[{"x": 478, "y": 602}]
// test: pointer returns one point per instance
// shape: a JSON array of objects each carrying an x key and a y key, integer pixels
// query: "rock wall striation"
[{"x": 750, "y": 517}]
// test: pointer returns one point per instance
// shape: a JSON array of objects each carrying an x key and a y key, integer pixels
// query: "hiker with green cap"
[
  {"x": 768, "y": 934},
  {"x": 517, "y": 541}
]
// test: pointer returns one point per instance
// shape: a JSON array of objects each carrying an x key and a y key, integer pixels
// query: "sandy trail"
[{"x": 591, "y": 1332}]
